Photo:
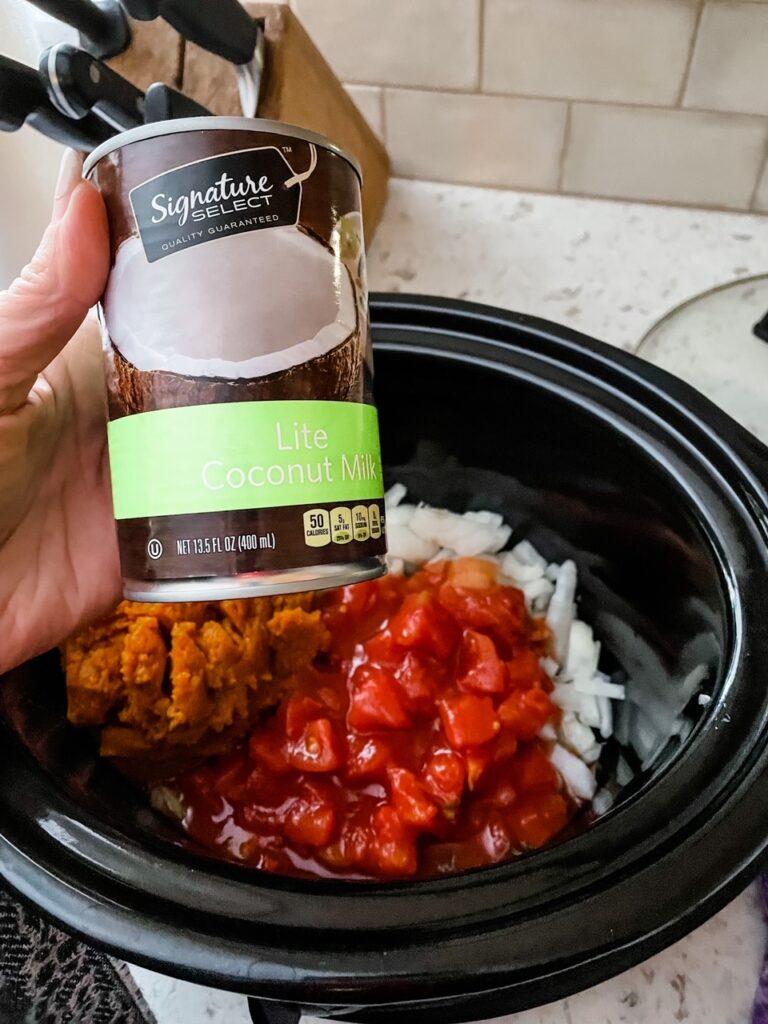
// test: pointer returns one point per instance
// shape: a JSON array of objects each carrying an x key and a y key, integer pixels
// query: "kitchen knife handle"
[
  {"x": 162, "y": 103},
  {"x": 78, "y": 83},
  {"x": 23, "y": 100},
  {"x": 84, "y": 135},
  {"x": 102, "y": 24},
  {"x": 222, "y": 27}
]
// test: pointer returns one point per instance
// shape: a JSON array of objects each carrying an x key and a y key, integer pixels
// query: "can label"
[
  {"x": 190, "y": 205},
  {"x": 243, "y": 437}
]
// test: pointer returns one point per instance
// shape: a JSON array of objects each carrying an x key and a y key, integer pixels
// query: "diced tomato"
[
  {"x": 504, "y": 747},
  {"x": 501, "y": 794},
  {"x": 375, "y": 701},
  {"x": 525, "y": 712},
  {"x": 298, "y": 711},
  {"x": 333, "y": 699},
  {"x": 468, "y": 720},
  {"x": 500, "y": 612},
  {"x": 422, "y": 624},
  {"x": 232, "y": 777},
  {"x": 538, "y": 819},
  {"x": 318, "y": 749},
  {"x": 271, "y": 749},
  {"x": 481, "y": 670},
  {"x": 445, "y": 777},
  {"x": 478, "y": 763},
  {"x": 410, "y": 747},
  {"x": 416, "y": 684},
  {"x": 410, "y": 799},
  {"x": 393, "y": 847},
  {"x": 381, "y": 649},
  {"x": 524, "y": 670},
  {"x": 533, "y": 770},
  {"x": 352, "y": 849},
  {"x": 312, "y": 818},
  {"x": 368, "y": 757}
]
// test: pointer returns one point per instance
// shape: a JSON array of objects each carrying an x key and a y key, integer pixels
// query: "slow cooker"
[{"x": 596, "y": 456}]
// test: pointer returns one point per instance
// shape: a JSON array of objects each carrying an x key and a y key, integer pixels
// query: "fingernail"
[{"x": 70, "y": 175}]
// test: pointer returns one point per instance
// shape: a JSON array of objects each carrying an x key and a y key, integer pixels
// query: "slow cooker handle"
[{"x": 267, "y": 1012}]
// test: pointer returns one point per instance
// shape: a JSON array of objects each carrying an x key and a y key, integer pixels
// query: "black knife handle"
[
  {"x": 162, "y": 103},
  {"x": 79, "y": 83},
  {"x": 85, "y": 135},
  {"x": 222, "y": 27},
  {"x": 21, "y": 92},
  {"x": 23, "y": 100},
  {"x": 102, "y": 24}
]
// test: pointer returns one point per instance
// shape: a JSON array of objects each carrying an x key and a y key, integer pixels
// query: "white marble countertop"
[{"x": 611, "y": 270}]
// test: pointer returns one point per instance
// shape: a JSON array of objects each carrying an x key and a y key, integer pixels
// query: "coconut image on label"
[{"x": 210, "y": 304}]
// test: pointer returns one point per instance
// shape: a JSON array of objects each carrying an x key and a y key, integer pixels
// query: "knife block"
[{"x": 298, "y": 87}]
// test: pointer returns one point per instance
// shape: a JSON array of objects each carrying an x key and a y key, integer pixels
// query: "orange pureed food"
[
  {"x": 410, "y": 748},
  {"x": 170, "y": 679}
]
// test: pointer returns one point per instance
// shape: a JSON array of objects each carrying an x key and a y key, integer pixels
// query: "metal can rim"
[{"x": 215, "y": 123}]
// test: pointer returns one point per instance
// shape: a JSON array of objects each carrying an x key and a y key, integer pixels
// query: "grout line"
[
  {"x": 691, "y": 49},
  {"x": 480, "y": 46},
  {"x": 760, "y": 171},
  {"x": 383, "y": 111},
  {"x": 739, "y": 211},
  {"x": 565, "y": 145},
  {"x": 614, "y": 104}
]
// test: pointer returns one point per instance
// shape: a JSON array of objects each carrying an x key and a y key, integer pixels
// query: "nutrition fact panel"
[{"x": 341, "y": 525}]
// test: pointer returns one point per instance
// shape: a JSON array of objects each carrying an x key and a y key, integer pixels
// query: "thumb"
[{"x": 46, "y": 304}]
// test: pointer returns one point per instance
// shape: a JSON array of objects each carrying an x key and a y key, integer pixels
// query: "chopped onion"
[
  {"x": 575, "y": 735},
  {"x": 597, "y": 686},
  {"x": 404, "y": 543},
  {"x": 401, "y": 515},
  {"x": 602, "y": 801},
  {"x": 395, "y": 495},
  {"x": 518, "y": 571},
  {"x": 561, "y": 610},
  {"x": 473, "y": 533},
  {"x": 526, "y": 554},
  {"x": 576, "y": 775},
  {"x": 538, "y": 594},
  {"x": 583, "y": 651},
  {"x": 606, "y": 716}
]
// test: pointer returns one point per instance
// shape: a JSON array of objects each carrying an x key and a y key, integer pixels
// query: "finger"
[{"x": 46, "y": 304}]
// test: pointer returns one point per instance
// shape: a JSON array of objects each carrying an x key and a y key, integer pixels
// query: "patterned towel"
[{"x": 47, "y": 977}]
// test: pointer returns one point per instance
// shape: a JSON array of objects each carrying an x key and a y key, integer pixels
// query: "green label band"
[{"x": 243, "y": 455}]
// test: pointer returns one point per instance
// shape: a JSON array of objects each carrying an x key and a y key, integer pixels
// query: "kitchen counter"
[{"x": 611, "y": 270}]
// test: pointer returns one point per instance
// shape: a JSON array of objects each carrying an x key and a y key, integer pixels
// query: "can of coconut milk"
[{"x": 243, "y": 437}]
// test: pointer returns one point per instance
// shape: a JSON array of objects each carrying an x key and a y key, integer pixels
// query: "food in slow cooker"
[
  {"x": 453, "y": 720},
  {"x": 163, "y": 680}
]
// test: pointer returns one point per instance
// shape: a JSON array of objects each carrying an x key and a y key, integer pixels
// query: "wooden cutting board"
[{"x": 298, "y": 87}]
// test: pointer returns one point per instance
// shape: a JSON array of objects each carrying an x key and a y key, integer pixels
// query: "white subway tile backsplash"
[
  {"x": 728, "y": 70},
  {"x": 485, "y": 140},
  {"x": 369, "y": 100},
  {"x": 761, "y": 193},
  {"x": 632, "y": 51},
  {"x": 676, "y": 156},
  {"x": 433, "y": 43}
]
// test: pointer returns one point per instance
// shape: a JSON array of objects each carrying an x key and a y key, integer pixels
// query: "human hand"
[{"x": 58, "y": 551}]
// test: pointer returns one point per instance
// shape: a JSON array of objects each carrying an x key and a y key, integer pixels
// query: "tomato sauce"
[{"x": 410, "y": 749}]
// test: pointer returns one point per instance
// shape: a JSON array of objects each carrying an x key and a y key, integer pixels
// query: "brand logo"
[
  {"x": 200, "y": 205},
  {"x": 227, "y": 194}
]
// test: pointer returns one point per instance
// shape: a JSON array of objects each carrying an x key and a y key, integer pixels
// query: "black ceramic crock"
[{"x": 595, "y": 455}]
